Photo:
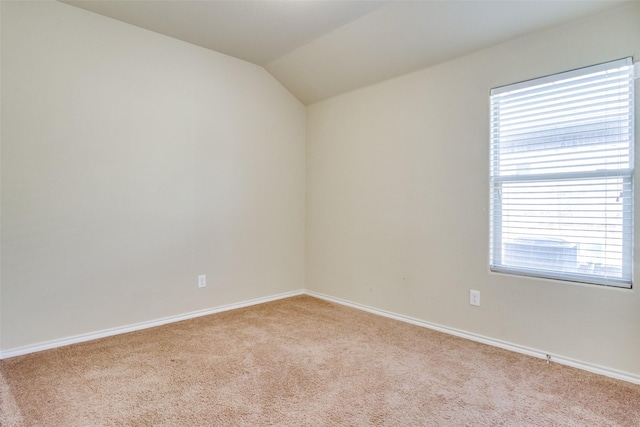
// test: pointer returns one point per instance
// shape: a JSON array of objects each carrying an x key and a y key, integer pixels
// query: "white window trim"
[{"x": 496, "y": 263}]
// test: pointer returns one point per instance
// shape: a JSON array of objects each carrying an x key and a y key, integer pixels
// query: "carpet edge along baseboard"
[
  {"x": 601, "y": 370},
  {"x": 47, "y": 345},
  {"x": 90, "y": 336}
]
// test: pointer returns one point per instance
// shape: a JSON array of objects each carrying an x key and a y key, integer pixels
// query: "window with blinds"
[{"x": 562, "y": 176}]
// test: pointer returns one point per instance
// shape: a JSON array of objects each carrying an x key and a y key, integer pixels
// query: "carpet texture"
[{"x": 302, "y": 361}]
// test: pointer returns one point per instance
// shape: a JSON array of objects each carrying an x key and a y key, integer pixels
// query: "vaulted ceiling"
[{"x": 322, "y": 48}]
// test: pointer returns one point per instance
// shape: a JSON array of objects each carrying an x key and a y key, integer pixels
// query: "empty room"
[{"x": 319, "y": 213}]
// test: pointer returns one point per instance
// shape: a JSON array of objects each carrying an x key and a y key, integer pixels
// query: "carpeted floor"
[{"x": 302, "y": 361}]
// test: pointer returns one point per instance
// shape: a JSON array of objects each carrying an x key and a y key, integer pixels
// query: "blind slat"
[
  {"x": 559, "y": 93},
  {"x": 568, "y": 105},
  {"x": 561, "y": 174}
]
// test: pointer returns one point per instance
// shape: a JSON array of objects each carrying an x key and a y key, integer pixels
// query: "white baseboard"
[
  {"x": 601, "y": 370},
  {"x": 47, "y": 345},
  {"x": 612, "y": 373}
]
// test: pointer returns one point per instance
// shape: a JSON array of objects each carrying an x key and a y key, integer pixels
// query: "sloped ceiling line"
[{"x": 319, "y": 48}]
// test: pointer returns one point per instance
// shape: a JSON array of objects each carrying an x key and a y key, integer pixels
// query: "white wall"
[
  {"x": 131, "y": 163},
  {"x": 398, "y": 197}
]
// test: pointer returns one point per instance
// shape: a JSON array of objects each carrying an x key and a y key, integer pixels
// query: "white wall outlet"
[
  {"x": 202, "y": 280},
  {"x": 474, "y": 297}
]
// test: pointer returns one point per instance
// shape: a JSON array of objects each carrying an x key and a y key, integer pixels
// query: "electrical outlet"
[
  {"x": 202, "y": 281},
  {"x": 474, "y": 297}
]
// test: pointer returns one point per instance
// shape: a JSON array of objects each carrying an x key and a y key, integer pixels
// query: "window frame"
[{"x": 497, "y": 182}]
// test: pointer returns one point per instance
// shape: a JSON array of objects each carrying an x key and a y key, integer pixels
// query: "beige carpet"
[{"x": 302, "y": 362}]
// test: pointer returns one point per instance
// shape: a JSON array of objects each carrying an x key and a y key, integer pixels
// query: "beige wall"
[
  {"x": 132, "y": 163},
  {"x": 397, "y": 201}
]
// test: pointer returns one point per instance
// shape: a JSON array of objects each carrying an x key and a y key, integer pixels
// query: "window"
[{"x": 562, "y": 176}]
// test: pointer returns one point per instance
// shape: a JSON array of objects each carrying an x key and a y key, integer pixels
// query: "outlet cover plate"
[{"x": 474, "y": 297}]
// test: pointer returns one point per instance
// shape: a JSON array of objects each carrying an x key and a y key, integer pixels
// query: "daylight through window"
[{"x": 561, "y": 176}]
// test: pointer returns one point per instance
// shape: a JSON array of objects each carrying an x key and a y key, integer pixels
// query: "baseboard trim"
[
  {"x": 47, "y": 345},
  {"x": 601, "y": 370}
]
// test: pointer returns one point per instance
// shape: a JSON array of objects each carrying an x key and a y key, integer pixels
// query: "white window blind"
[{"x": 561, "y": 176}]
